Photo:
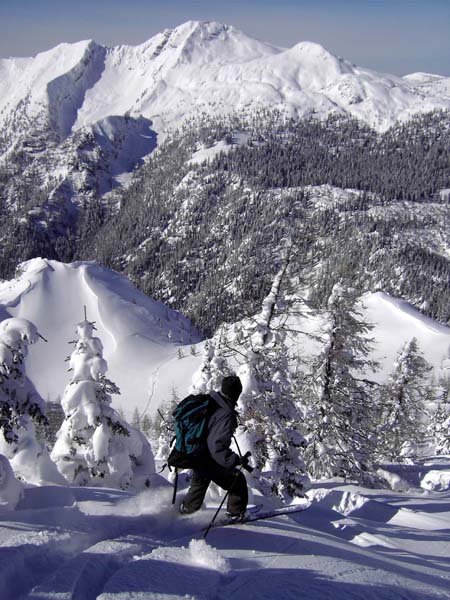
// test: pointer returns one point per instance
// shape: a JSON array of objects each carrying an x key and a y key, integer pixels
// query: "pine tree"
[
  {"x": 146, "y": 425},
  {"x": 163, "y": 429},
  {"x": 21, "y": 407},
  {"x": 214, "y": 366},
  {"x": 339, "y": 408},
  {"x": 136, "y": 419},
  {"x": 439, "y": 430},
  {"x": 272, "y": 421},
  {"x": 403, "y": 404},
  {"x": 95, "y": 446}
]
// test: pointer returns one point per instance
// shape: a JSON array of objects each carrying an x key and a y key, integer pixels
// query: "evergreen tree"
[
  {"x": 271, "y": 418},
  {"x": 163, "y": 428},
  {"x": 136, "y": 419},
  {"x": 403, "y": 404},
  {"x": 339, "y": 406},
  {"x": 214, "y": 366},
  {"x": 146, "y": 425},
  {"x": 21, "y": 407},
  {"x": 440, "y": 430},
  {"x": 95, "y": 446}
]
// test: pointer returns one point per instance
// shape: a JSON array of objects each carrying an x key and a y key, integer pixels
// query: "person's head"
[{"x": 231, "y": 387}]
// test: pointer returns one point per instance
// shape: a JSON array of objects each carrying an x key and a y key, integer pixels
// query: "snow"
[
  {"x": 142, "y": 337},
  {"x": 85, "y": 543},
  {"x": 11, "y": 490},
  {"x": 445, "y": 194},
  {"x": 208, "y": 153},
  {"x": 430, "y": 84},
  {"x": 88, "y": 543},
  {"x": 397, "y": 322},
  {"x": 210, "y": 67},
  {"x": 134, "y": 330},
  {"x": 437, "y": 481}
]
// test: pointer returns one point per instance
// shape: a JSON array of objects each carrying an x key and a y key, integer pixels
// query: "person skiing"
[{"x": 220, "y": 463}]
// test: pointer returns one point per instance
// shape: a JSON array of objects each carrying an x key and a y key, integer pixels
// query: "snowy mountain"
[
  {"x": 197, "y": 66},
  {"x": 79, "y": 178},
  {"x": 141, "y": 337},
  {"x": 81, "y": 116},
  {"x": 429, "y": 84}
]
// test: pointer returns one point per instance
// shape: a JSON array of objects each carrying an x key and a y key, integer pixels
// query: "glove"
[{"x": 244, "y": 462}]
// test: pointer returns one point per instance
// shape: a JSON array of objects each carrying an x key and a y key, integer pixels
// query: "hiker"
[{"x": 220, "y": 462}]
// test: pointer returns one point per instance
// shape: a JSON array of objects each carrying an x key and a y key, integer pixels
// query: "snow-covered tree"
[
  {"x": 439, "y": 429},
  {"x": 136, "y": 418},
  {"x": 146, "y": 425},
  {"x": 338, "y": 396},
  {"x": 444, "y": 379},
  {"x": 214, "y": 366},
  {"x": 273, "y": 424},
  {"x": 21, "y": 406},
  {"x": 403, "y": 407},
  {"x": 11, "y": 490},
  {"x": 95, "y": 445},
  {"x": 163, "y": 427}
]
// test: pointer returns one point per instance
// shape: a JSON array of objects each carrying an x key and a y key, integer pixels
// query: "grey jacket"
[{"x": 222, "y": 425}]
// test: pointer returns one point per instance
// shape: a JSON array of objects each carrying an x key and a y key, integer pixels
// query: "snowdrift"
[
  {"x": 141, "y": 337},
  {"x": 352, "y": 543}
]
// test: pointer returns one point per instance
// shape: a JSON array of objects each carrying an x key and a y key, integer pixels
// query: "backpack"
[{"x": 191, "y": 431}]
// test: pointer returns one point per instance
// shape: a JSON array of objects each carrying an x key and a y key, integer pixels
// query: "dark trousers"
[{"x": 227, "y": 479}]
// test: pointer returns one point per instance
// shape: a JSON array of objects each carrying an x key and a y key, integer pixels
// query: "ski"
[{"x": 257, "y": 514}]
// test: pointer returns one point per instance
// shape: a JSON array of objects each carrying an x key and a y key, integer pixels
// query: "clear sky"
[{"x": 396, "y": 36}]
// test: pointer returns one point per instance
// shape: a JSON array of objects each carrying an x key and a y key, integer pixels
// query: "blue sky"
[{"x": 397, "y": 36}]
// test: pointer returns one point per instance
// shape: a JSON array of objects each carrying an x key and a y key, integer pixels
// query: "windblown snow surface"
[
  {"x": 86, "y": 543},
  {"x": 140, "y": 336},
  {"x": 352, "y": 543}
]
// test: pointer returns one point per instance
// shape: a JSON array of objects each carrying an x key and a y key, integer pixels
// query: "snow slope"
[
  {"x": 429, "y": 84},
  {"x": 200, "y": 66},
  {"x": 352, "y": 543},
  {"x": 394, "y": 322},
  {"x": 141, "y": 337}
]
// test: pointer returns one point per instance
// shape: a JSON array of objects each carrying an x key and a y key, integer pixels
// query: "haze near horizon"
[{"x": 397, "y": 36}]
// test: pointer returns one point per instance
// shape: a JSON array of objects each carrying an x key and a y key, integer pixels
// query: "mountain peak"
[
  {"x": 206, "y": 42},
  {"x": 313, "y": 48}
]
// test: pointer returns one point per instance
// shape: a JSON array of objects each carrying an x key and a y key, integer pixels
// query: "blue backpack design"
[{"x": 191, "y": 430}]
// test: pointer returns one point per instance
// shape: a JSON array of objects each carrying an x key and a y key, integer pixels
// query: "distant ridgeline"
[{"x": 206, "y": 237}]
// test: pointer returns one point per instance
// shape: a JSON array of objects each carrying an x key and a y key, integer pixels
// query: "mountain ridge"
[{"x": 209, "y": 65}]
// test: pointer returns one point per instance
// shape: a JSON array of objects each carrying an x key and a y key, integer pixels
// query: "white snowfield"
[
  {"x": 140, "y": 336},
  {"x": 143, "y": 339},
  {"x": 204, "y": 66},
  {"x": 352, "y": 543}
]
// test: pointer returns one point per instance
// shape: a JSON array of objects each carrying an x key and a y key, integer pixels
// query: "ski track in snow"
[{"x": 91, "y": 543}]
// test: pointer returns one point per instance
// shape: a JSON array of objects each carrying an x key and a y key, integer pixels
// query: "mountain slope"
[
  {"x": 199, "y": 66},
  {"x": 205, "y": 237},
  {"x": 140, "y": 336},
  {"x": 75, "y": 121}
]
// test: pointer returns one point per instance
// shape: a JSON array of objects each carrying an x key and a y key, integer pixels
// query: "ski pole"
[
  {"x": 222, "y": 503},
  {"x": 175, "y": 486}
]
